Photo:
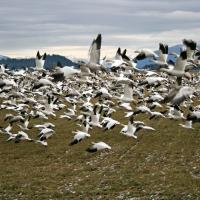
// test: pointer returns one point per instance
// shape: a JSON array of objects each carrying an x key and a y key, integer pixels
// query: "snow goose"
[
  {"x": 71, "y": 113},
  {"x": 188, "y": 124},
  {"x": 131, "y": 128},
  {"x": 95, "y": 117},
  {"x": 179, "y": 94},
  {"x": 98, "y": 147},
  {"x": 64, "y": 72},
  {"x": 94, "y": 55},
  {"x": 109, "y": 123},
  {"x": 145, "y": 53},
  {"x": 42, "y": 82},
  {"x": 179, "y": 68},
  {"x": 190, "y": 48},
  {"x": 39, "y": 61},
  {"x": 128, "y": 93},
  {"x": 46, "y": 133},
  {"x": 19, "y": 136},
  {"x": 194, "y": 116},
  {"x": 79, "y": 136},
  {"x": 13, "y": 119},
  {"x": 117, "y": 61}
]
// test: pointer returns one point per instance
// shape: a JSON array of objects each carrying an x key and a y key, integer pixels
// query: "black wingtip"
[
  {"x": 190, "y": 43},
  {"x": 73, "y": 142},
  {"x": 124, "y": 56},
  {"x": 140, "y": 56},
  {"x": 183, "y": 55},
  {"x": 163, "y": 48},
  {"x": 98, "y": 41},
  {"x": 119, "y": 51},
  {"x": 124, "y": 52},
  {"x": 91, "y": 150},
  {"x": 38, "y": 54},
  {"x": 44, "y": 56}
]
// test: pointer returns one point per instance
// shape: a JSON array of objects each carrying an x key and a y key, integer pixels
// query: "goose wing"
[{"x": 94, "y": 52}]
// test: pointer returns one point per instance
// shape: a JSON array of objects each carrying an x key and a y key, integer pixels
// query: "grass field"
[{"x": 161, "y": 164}]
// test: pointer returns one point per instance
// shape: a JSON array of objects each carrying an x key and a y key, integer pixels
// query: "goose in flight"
[
  {"x": 40, "y": 60},
  {"x": 13, "y": 119},
  {"x": 188, "y": 124},
  {"x": 131, "y": 128},
  {"x": 161, "y": 59},
  {"x": 79, "y": 136},
  {"x": 19, "y": 137},
  {"x": 145, "y": 53},
  {"x": 194, "y": 116},
  {"x": 41, "y": 83},
  {"x": 190, "y": 48},
  {"x": 178, "y": 95},
  {"x": 46, "y": 133},
  {"x": 94, "y": 55},
  {"x": 109, "y": 123},
  {"x": 95, "y": 116},
  {"x": 98, "y": 147},
  {"x": 128, "y": 93},
  {"x": 64, "y": 72},
  {"x": 117, "y": 61},
  {"x": 179, "y": 68}
]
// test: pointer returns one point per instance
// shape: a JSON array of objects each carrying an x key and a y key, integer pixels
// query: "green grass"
[{"x": 161, "y": 164}]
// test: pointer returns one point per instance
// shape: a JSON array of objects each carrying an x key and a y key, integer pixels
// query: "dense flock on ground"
[{"x": 91, "y": 94}]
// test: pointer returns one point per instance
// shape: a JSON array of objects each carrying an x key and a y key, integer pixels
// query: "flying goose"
[
  {"x": 79, "y": 136},
  {"x": 109, "y": 123},
  {"x": 19, "y": 136},
  {"x": 98, "y": 147},
  {"x": 190, "y": 48},
  {"x": 94, "y": 55},
  {"x": 188, "y": 124},
  {"x": 40, "y": 60},
  {"x": 64, "y": 72},
  {"x": 179, "y": 94},
  {"x": 179, "y": 68},
  {"x": 145, "y": 53}
]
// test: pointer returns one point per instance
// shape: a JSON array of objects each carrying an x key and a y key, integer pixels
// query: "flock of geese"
[{"x": 100, "y": 87}]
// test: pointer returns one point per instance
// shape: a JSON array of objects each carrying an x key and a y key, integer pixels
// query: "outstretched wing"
[{"x": 94, "y": 52}]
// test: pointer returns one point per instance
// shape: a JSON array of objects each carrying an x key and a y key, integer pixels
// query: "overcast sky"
[{"x": 67, "y": 27}]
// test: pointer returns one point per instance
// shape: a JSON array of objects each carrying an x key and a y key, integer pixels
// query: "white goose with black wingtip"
[
  {"x": 99, "y": 146},
  {"x": 40, "y": 61}
]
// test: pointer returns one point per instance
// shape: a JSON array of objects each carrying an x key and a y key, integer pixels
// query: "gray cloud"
[{"x": 26, "y": 26}]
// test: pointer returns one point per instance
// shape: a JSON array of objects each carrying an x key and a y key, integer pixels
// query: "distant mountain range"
[
  {"x": 3, "y": 57},
  {"x": 51, "y": 60}
]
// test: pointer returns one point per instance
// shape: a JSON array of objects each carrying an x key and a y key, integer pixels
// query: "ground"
[{"x": 160, "y": 164}]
